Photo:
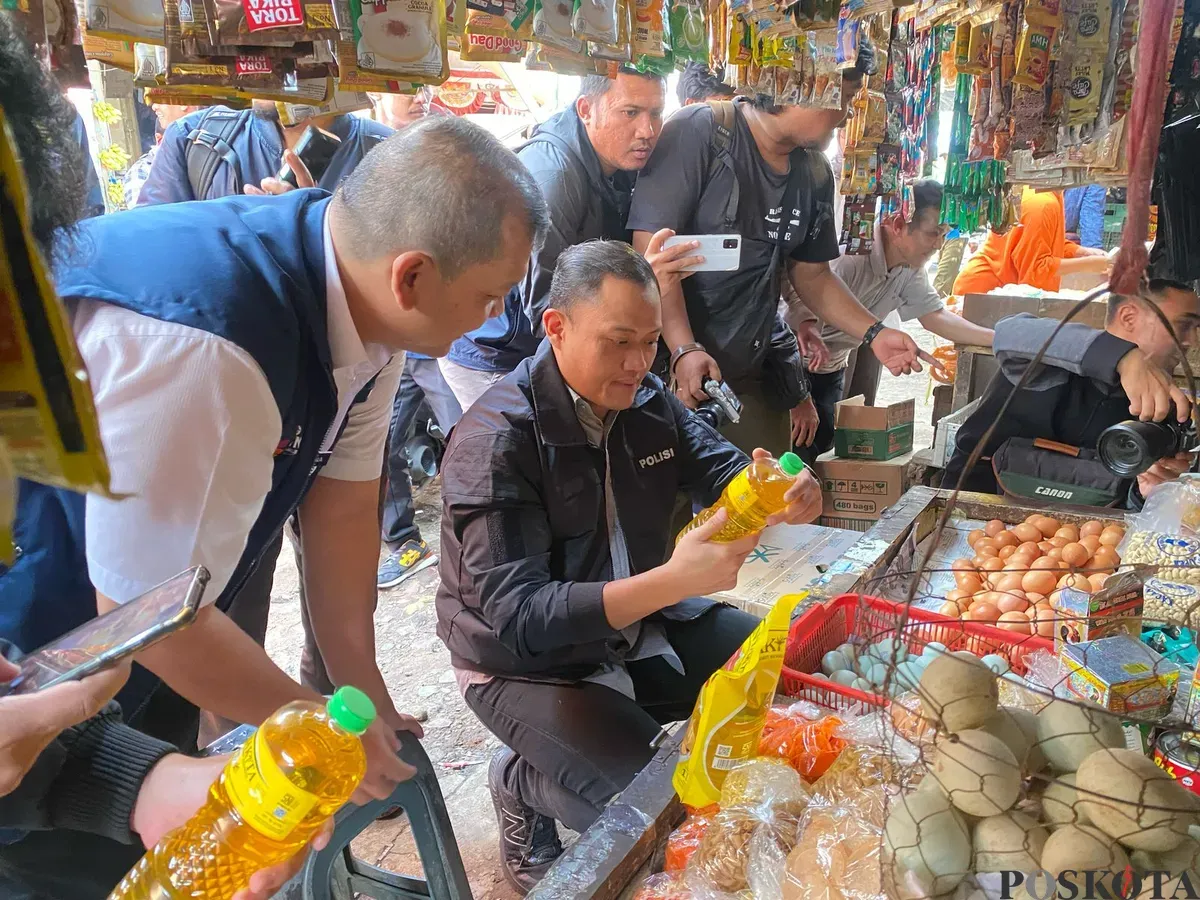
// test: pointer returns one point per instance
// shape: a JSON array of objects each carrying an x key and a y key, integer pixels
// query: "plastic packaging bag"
[
  {"x": 836, "y": 857},
  {"x": 664, "y": 886},
  {"x": 731, "y": 710},
  {"x": 685, "y": 839},
  {"x": 810, "y": 747},
  {"x": 864, "y": 779}
]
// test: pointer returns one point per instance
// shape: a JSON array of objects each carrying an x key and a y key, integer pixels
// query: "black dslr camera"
[
  {"x": 721, "y": 407},
  {"x": 1130, "y": 448}
]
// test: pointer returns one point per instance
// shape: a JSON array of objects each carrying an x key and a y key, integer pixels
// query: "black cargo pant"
[{"x": 581, "y": 744}]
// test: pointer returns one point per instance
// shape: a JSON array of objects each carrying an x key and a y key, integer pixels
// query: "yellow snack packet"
[{"x": 727, "y": 722}]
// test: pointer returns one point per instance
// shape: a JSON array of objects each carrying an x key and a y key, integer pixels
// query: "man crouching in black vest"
[
  {"x": 572, "y": 640},
  {"x": 1044, "y": 444}
]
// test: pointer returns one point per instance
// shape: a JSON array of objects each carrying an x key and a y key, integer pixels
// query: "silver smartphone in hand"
[{"x": 721, "y": 252}]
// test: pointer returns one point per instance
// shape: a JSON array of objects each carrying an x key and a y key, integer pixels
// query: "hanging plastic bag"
[{"x": 689, "y": 31}]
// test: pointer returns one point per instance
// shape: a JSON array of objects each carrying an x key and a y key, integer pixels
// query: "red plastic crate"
[{"x": 870, "y": 619}]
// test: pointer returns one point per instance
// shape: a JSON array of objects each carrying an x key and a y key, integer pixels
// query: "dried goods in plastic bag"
[
  {"x": 836, "y": 857},
  {"x": 684, "y": 840},
  {"x": 721, "y": 865},
  {"x": 810, "y": 747},
  {"x": 664, "y": 886},
  {"x": 863, "y": 779}
]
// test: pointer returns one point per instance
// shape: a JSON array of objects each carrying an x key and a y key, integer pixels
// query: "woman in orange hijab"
[{"x": 1036, "y": 252}]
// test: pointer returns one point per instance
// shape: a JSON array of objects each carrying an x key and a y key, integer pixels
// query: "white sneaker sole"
[{"x": 428, "y": 561}]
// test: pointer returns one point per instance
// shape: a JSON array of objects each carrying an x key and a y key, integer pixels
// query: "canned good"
[{"x": 1179, "y": 759}]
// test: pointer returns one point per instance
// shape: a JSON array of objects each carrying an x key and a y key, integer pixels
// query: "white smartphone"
[{"x": 721, "y": 252}]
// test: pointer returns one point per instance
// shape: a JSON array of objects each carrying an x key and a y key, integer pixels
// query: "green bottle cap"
[
  {"x": 352, "y": 709},
  {"x": 791, "y": 464}
]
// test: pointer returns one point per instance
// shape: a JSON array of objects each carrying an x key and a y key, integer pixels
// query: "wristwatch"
[
  {"x": 872, "y": 333},
  {"x": 681, "y": 351}
]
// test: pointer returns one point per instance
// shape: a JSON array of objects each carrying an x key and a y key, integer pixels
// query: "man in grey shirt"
[{"x": 889, "y": 278}]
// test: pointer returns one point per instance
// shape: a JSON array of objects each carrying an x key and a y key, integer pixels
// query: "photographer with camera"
[
  {"x": 1056, "y": 441},
  {"x": 572, "y": 640}
]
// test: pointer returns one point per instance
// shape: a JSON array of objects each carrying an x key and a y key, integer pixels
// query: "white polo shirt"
[{"x": 190, "y": 428}]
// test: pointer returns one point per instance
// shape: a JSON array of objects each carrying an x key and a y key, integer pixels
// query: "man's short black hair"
[
  {"x": 581, "y": 270},
  {"x": 1155, "y": 287},
  {"x": 593, "y": 86},
  {"x": 42, "y": 122},
  {"x": 698, "y": 83},
  {"x": 927, "y": 195}
]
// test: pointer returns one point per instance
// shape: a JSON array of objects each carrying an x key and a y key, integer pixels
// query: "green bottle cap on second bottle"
[
  {"x": 352, "y": 709},
  {"x": 791, "y": 464}
]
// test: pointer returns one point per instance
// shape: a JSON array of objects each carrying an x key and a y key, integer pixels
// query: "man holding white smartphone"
[{"x": 738, "y": 174}]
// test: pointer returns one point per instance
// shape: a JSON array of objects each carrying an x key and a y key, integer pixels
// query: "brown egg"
[
  {"x": 1016, "y": 563},
  {"x": 1058, "y": 542},
  {"x": 1077, "y": 581},
  {"x": 1014, "y": 621},
  {"x": 1006, "y": 552},
  {"x": 1075, "y": 554},
  {"x": 1097, "y": 581},
  {"x": 1042, "y": 615},
  {"x": 1027, "y": 533},
  {"x": 1048, "y": 526},
  {"x": 1091, "y": 542},
  {"x": 1005, "y": 539},
  {"x": 962, "y": 565},
  {"x": 1039, "y": 582},
  {"x": 1112, "y": 535},
  {"x": 1105, "y": 558},
  {"x": 976, "y": 535},
  {"x": 1034, "y": 519},
  {"x": 1091, "y": 527},
  {"x": 1009, "y": 581},
  {"x": 1012, "y": 603},
  {"x": 977, "y": 561},
  {"x": 1035, "y": 597},
  {"x": 983, "y": 612},
  {"x": 1070, "y": 532},
  {"x": 986, "y": 548},
  {"x": 993, "y": 564},
  {"x": 949, "y": 609},
  {"x": 967, "y": 581},
  {"x": 1045, "y": 563},
  {"x": 1055, "y": 554},
  {"x": 994, "y": 527},
  {"x": 1045, "y": 546},
  {"x": 1030, "y": 549}
]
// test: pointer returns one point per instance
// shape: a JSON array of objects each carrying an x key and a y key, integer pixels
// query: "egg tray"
[{"x": 861, "y": 618}]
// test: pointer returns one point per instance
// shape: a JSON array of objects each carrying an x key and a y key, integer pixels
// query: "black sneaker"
[
  {"x": 529, "y": 842},
  {"x": 401, "y": 564}
]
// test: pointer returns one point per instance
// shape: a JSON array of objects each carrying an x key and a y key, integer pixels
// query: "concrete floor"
[{"x": 416, "y": 667}]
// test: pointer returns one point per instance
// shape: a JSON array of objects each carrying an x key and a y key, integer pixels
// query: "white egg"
[
  {"x": 844, "y": 678},
  {"x": 861, "y": 684},
  {"x": 996, "y": 663},
  {"x": 833, "y": 661}
]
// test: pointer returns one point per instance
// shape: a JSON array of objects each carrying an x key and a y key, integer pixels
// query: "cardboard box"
[
  {"x": 873, "y": 432},
  {"x": 856, "y": 492},
  {"x": 947, "y": 430},
  {"x": 1082, "y": 617},
  {"x": 1120, "y": 674}
]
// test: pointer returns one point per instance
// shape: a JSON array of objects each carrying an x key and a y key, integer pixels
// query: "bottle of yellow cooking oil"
[
  {"x": 754, "y": 495},
  {"x": 291, "y": 775}
]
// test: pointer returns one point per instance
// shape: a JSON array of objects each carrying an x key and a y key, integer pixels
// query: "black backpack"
[{"x": 210, "y": 144}]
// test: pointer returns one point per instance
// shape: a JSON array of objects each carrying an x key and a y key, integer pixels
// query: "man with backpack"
[
  {"x": 584, "y": 159},
  {"x": 217, "y": 151},
  {"x": 733, "y": 167}
]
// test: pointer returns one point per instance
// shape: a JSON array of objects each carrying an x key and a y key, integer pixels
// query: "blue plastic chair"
[{"x": 336, "y": 874}]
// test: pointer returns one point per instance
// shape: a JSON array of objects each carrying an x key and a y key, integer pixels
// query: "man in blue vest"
[
  {"x": 243, "y": 362},
  {"x": 585, "y": 160},
  {"x": 216, "y": 151}
]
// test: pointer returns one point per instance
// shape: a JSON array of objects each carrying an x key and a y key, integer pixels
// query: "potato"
[
  {"x": 958, "y": 693},
  {"x": 1060, "y": 803},
  {"x": 977, "y": 771},
  {"x": 1132, "y": 800},
  {"x": 1068, "y": 733},
  {"x": 1018, "y": 729},
  {"x": 1008, "y": 842},
  {"x": 1082, "y": 847},
  {"x": 929, "y": 840}
]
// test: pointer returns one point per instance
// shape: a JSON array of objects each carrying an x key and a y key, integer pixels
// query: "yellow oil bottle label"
[
  {"x": 262, "y": 795},
  {"x": 739, "y": 495}
]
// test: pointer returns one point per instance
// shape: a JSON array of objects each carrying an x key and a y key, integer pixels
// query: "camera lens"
[
  {"x": 1130, "y": 448},
  {"x": 730, "y": 243},
  {"x": 710, "y": 413}
]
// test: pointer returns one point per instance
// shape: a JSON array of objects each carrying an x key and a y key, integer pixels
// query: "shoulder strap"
[
  {"x": 724, "y": 118},
  {"x": 210, "y": 144}
]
